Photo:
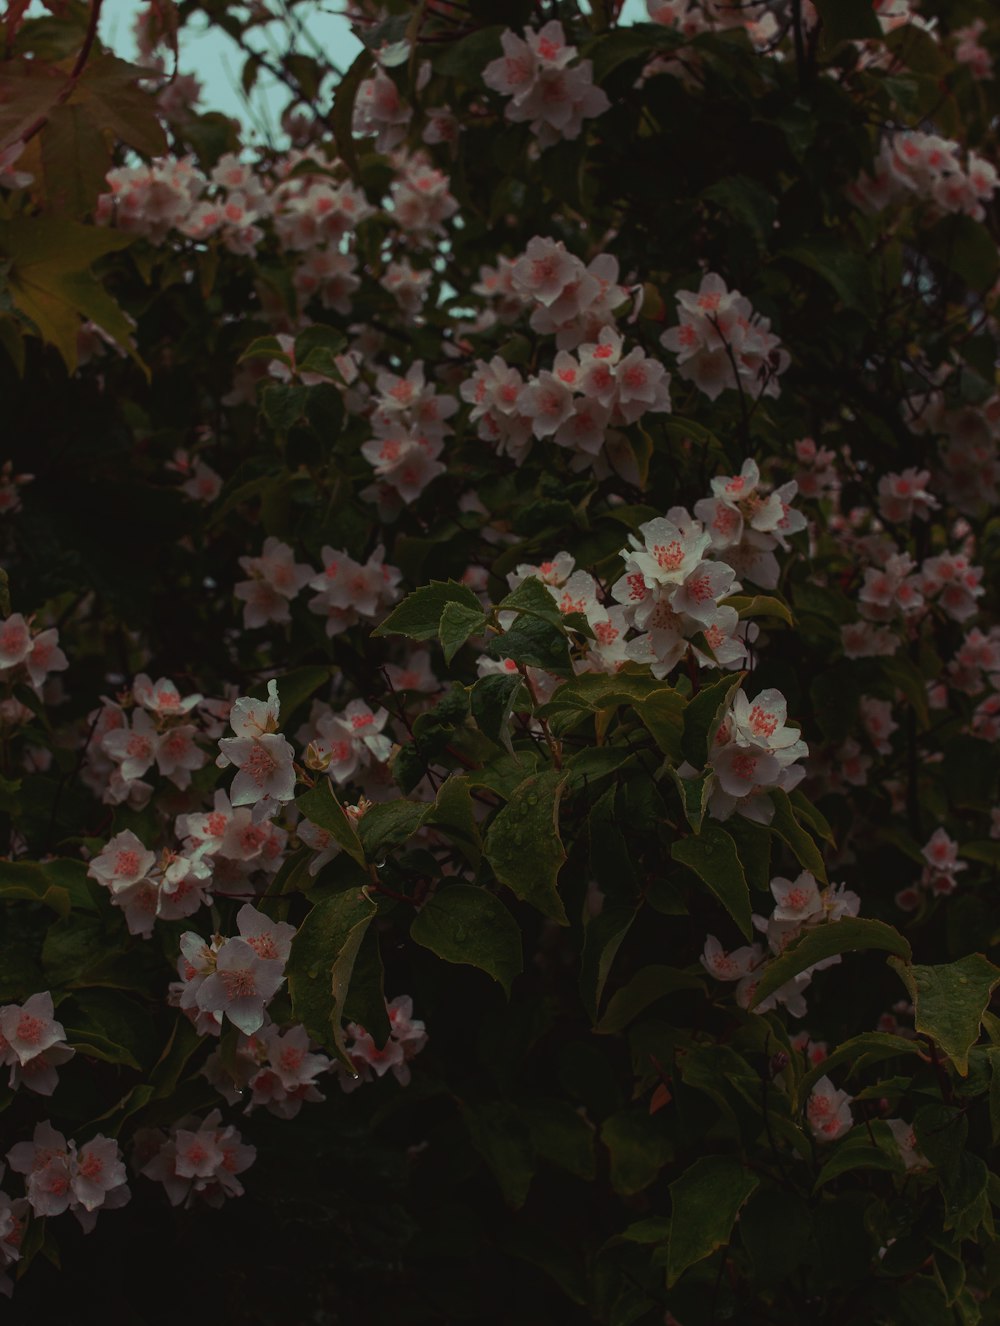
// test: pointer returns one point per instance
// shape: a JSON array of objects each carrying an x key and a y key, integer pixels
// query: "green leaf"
[
  {"x": 419, "y": 614},
  {"x": 706, "y": 1200},
  {"x": 265, "y": 347},
  {"x": 365, "y": 1000},
  {"x": 466, "y": 924},
  {"x": 342, "y": 114},
  {"x": 321, "y": 961},
  {"x": 760, "y": 605},
  {"x": 753, "y": 846},
  {"x": 523, "y": 844},
  {"x": 51, "y": 283},
  {"x": 27, "y": 880},
  {"x": 703, "y": 715},
  {"x": 493, "y": 700},
  {"x": 858, "y": 1151},
  {"x": 561, "y": 1135},
  {"x": 75, "y": 161},
  {"x": 534, "y": 643},
  {"x": 949, "y": 1002},
  {"x": 284, "y": 406},
  {"x": 747, "y": 202},
  {"x": 109, "y": 1025},
  {"x": 860, "y": 1052},
  {"x": 694, "y": 794},
  {"x": 533, "y": 598},
  {"x": 453, "y": 814},
  {"x": 458, "y": 622},
  {"x": 594, "y": 691},
  {"x": 851, "y": 934},
  {"x": 501, "y": 1137},
  {"x": 466, "y": 58},
  {"x": 389, "y": 825},
  {"x": 602, "y": 938},
  {"x": 109, "y": 93},
  {"x": 845, "y": 270},
  {"x": 662, "y": 714},
  {"x": 966, "y": 248},
  {"x": 647, "y": 986},
  {"x": 713, "y": 857},
  {"x": 639, "y": 1148},
  {"x": 321, "y": 807},
  {"x": 788, "y": 829}
]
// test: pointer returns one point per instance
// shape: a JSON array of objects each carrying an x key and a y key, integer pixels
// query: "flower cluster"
[
  {"x": 277, "y": 1068},
  {"x": 198, "y": 1158},
  {"x": 28, "y": 653},
  {"x": 722, "y": 345},
  {"x": 913, "y": 163},
  {"x": 64, "y": 1176},
  {"x": 544, "y": 87},
  {"x": 407, "y": 1037},
  {"x": 234, "y": 978},
  {"x": 799, "y": 905},
  {"x": 33, "y": 1044}
]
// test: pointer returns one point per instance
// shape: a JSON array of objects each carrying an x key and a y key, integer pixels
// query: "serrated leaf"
[
  {"x": 453, "y": 814},
  {"x": 458, "y": 622},
  {"x": 532, "y": 597},
  {"x": 492, "y": 701},
  {"x": 466, "y": 924},
  {"x": 523, "y": 844},
  {"x": 712, "y": 856},
  {"x": 949, "y": 1000},
  {"x": 108, "y": 91},
  {"x": 419, "y": 615},
  {"x": 532, "y": 642},
  {"x": 851, "y": 934}
]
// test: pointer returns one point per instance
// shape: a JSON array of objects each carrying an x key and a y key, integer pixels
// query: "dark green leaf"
[
  {"x": 647, "y": 986},
  {"x": 949, "y": 1002},
  {"x": 713, "y": 858},
  {"x": 493, "y": 700},
  {"x": 419, "y": 614},
  {"x": 523, "y": 844},
  {"x": 322, "y": 958},
  {"x": 458, "y": 622},
  {"x": 706, "y": 1200},
  {"x": 532, "y": 642},
  {"x": 466, "y": 924},
  {"x": 703, "y": 715},
  {"x": 851, "y": 934},
  {"x": 321, "y": 807}
]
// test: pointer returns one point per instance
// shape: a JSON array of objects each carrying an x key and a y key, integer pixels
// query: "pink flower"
[
  {"x": 828, "y": 1111},
  {"x": 241, "y": 985}
]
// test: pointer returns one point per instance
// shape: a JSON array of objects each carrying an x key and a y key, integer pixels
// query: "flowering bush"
[{"x": 501, "y": 671}]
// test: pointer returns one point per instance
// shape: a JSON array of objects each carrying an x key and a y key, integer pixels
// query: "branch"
[{"x": 67, "y": 90}]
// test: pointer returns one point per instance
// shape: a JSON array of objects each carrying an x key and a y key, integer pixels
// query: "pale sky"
[{"x": 217, "y": 62}]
